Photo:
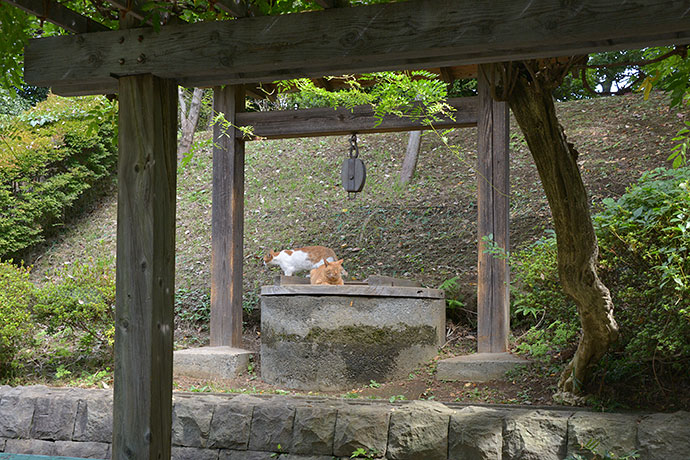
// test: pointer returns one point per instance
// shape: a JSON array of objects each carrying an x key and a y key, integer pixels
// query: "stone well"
[{"x": 339, "y": 337}]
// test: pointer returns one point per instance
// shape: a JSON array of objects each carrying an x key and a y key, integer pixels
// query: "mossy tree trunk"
[{"x": 530, "y": 98}]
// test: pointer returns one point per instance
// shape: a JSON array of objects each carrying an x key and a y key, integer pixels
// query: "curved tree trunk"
[{"x": 556, "y": 160}]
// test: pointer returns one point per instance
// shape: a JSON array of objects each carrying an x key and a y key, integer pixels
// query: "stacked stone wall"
[{"x": 78, "y": 423}]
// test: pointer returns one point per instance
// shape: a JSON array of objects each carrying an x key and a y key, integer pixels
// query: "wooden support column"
[
  {"x": 142, "y": 410},
  {"x": 493, "y": 189},
  {"x": 227, "y": 221}
]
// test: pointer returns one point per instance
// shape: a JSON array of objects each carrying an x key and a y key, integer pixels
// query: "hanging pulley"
[{"x": 353, "y": 173}]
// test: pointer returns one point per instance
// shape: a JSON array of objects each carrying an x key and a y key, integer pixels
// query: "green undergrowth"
[
  {"x": 16, "y": 325},
  {"x": 62, "y": 328},
  {"x": 644, "y": 240}
]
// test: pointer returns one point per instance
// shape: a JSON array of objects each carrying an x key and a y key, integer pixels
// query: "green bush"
[
  {"x": 645, "y": 259},
  {"x": 644, "y": 240},
  {"x": 539, "y": 303},
  {"x": 50, "y": 157},
  {"x": 455, "y": 308},
  {"x": 536, "y": 289},
  {"x": 80, "y": 302},
  {"x": 16, "y": 325}
]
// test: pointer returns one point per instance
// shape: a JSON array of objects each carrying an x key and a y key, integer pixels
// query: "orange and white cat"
[
  {"x": 300, "y": 259},
  {"x": 328, "y": 273}
]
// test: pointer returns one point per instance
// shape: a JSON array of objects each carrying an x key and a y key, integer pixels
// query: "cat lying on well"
[
  {"x": 301, "y": 259},
  {"x": 327, "y": 273}
]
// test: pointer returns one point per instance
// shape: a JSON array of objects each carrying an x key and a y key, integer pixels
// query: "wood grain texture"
[
  {"x": 390, "y": 36},
  {"x": 227, "y": 221},
  {"x": 142, "y": 412},
  {"x": 380, "y": 280},
  {"x": 59, "y": 15},
  {"x": 493, "y": 190},
  {"x": 328, "y": 122},
  {"x": 354, "y": 290}
]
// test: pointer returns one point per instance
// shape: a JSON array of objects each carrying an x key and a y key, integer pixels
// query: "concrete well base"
[
  {"x": 321, "y": 337},
  {"x": 479, "y": 367},
  {"x": 210, "y": 362}
]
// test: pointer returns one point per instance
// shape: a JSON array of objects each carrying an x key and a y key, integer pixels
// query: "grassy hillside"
[{"x": 425, "y": 231}]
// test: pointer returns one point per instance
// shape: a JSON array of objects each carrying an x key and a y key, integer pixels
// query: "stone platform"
[
  {"x": 210, "y": 362},
  {"x": 478, "y": 367}
]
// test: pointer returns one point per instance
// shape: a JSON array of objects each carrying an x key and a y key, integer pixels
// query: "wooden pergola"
[{"x": 145, "y": 66}]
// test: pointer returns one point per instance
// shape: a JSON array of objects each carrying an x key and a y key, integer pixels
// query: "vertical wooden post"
[
  {"x": 493, "y": 300},
  {"x": 227, "y": 221},
  {"x": 142, "y": 410}
]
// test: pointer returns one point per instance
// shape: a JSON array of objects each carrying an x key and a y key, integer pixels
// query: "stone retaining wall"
[{"x": 78, "y": 423}]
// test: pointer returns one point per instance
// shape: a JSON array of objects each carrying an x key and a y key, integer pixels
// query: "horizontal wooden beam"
[
  {"x": 329, "y": 122},
  {"x": 59, "y": 15},
  {"x": 387, "y": 36}
]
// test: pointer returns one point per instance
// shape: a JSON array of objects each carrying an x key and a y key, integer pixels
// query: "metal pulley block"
[{"x": 354, "y": 173}]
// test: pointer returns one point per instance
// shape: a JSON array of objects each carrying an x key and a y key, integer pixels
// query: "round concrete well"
[{"x": 339, "y": 337}]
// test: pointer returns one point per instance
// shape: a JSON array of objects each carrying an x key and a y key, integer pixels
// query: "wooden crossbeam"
[
  {"x": 328, "y": 122},
  {"x": 389, "y": 36},
  {"x": 59, "y": 15}
]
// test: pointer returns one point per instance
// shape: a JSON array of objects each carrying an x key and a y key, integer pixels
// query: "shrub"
[
  {"x": 80, "y": 302},
  {"x": 455, "y": 308},
  {"x": 536, "y": 290},
  {"x": 50, "y": 157},
  {"x": 16, "y": 326},
  {"x": 645, "y": 258},
  {"x": 539, "y": 303},
  {"x": 644, "y": 240}
]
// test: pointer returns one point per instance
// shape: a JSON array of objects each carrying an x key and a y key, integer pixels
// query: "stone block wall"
[{"x": 78, "y": 423}]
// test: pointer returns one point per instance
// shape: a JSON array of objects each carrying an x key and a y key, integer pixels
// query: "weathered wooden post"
[
  {"x": 493, "y": 190},
  {"x": 227, "y": 228},
  {"x": 142, "y": 410}
]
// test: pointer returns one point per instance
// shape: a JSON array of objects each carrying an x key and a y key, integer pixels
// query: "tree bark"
[
  {"x": 411, "y": 155},
  {"x": 556, "y": 159},
  {"x": 188, "y": 120}
]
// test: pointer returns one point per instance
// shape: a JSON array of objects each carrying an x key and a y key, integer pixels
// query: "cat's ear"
[
  {"x": 340, "y": 262},
  {"x": 325, "y": 262}
]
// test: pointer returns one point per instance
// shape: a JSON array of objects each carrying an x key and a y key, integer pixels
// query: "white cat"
[{"x": 301, "y": 259}]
